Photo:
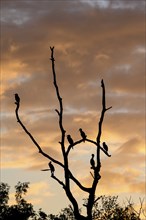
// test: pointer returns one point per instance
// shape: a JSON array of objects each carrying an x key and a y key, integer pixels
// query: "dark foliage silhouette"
[
  {"x": 104, "y": 208},
  {"x": 22, "y": 210}
]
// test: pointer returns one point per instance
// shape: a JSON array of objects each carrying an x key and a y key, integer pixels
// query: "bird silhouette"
[
  {"x": 17, "y": 98},
  {"x": 70, "y": 140},
  {"x": 83, "y": 135},
  {"x": 52, "y": 168},
  {"x": 92, "y": 162},
  {"x": 105, "y": 147}
]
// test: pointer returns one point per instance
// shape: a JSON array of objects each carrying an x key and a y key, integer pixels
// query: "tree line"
[{"x": 105, "y": 207}]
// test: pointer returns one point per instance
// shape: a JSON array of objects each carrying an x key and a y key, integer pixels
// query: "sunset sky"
[{"x": 94, "y": 40}]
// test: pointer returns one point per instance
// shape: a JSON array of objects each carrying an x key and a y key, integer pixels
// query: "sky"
[{"x": 94, "y": 40}]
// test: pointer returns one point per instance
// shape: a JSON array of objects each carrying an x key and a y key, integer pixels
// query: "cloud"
[
  {"x": 112, "y": 181},
  {"x": 105, "y": 40},
  {"x": 116, "y": 5},
  {"x": 130, "y": 147},
  {"x": 34, "y": 192},
  {"x": 37, "y": 187}
]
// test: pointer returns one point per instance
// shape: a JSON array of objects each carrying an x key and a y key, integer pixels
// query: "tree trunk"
[{"x": 81, "y": 217}]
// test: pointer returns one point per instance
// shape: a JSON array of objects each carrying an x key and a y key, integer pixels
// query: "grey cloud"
[
  {"x": 116, "y": 5},
  {"x": 90, "y": 44}
]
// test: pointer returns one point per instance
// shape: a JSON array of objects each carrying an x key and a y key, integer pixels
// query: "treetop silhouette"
[{"x": 105, "y": 207}]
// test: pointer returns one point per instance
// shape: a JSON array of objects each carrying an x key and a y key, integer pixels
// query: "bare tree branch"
[
  {"x": 88, "y": 140},
  {"x": 62, "y": 142},
  {"x": 92, "y": 174},
  {"x": 141, "y": 206},
  {"x": 104, "y": 109},
  {"x": 60, "y": 113},
  {"x": 68, "y": 176},
  {"x": 60, "y": 182},
  {"x": 74, "y": 144},
  {"x": 86, "y": 189},
  {"x": 32, "y": 138},
  {"x": 43, "y": 153},
  {"x": 140, "y": 211},
  {"x": 97, "y": 168},
  {"x": 57, "y": 112},
  {"x": 45, "y": 169}
]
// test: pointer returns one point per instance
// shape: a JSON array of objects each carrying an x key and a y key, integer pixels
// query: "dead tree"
[{"x": 68, "y": 176}]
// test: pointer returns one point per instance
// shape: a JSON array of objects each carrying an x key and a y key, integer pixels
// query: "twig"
[
  {"x": 141, "y": 206},
  {"x": 97, "y": 199},
  {"x": 92, "y": 174},
  {"x": 86, "y": 189},
  {"x": 60, "y": 182},
  {"x": 45, "y": 170}
]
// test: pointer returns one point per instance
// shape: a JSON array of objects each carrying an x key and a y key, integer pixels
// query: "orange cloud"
[{"x": 91, "y": 42}]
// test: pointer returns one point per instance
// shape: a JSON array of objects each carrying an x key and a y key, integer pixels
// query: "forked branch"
[
  {"x": 42, "y": 152},
  {"x": 65, "y": 150}
]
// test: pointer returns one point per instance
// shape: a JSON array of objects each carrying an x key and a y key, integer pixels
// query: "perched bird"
[
  {"x": 83, "y": 135},
  {"x": 92, "y": 162},
  {"x": 105, "y": 147},
  {"x": 52, "y": 168},
  {"x": 70, "y": 140},
  {"x": 17, "y": 99}
]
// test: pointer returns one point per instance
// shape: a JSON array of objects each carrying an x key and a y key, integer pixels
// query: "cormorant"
[
  {"x": 105, "y": 147},
  {"x": 83, "y": 135},
  {"x": 70, "y": 140},
  {"x": 92, "y": 162},
  {"x": 52, "y": 168},
  {"x": 17, "y": 98}
]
